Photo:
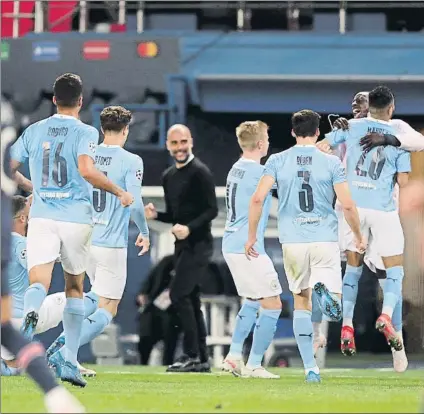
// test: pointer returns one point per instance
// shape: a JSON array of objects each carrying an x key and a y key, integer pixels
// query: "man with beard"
[
  {"x": 372, "y": 259},
  {"x": 190, "y": 206}
]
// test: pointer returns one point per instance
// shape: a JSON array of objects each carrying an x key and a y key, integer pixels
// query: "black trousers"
[
  {"x": 157, "y": 325},
  {"x": 191, "y": 263}
]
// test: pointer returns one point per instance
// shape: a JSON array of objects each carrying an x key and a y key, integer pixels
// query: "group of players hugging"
[{"x": 84, "y": 194}]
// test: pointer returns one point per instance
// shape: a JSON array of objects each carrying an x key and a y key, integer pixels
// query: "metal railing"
[{"x": 119, "y": 9}]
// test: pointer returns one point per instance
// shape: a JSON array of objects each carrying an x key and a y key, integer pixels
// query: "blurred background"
[{"x": 212, "y": 65}]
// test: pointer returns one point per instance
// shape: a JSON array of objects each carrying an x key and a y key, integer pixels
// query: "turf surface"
[{"x": 138, "y": 389}]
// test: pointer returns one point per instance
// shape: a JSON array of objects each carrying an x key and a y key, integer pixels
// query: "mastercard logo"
[{"x": 147, "y": 49}]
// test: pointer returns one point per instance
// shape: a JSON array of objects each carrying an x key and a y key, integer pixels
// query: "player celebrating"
[
  {"x": 61, "y": 150},
  {"x": 411, "y": 139},
  {"x": 107, "y": 267},
  {"x": 30, "y": 355},
  {"x": 306, "y": 180},
  {"x": 51, "y": 311},
  {"x": 256, "y": 280},
  {"x": 374, "y": 173}
]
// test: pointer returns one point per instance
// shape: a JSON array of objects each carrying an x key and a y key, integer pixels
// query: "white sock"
[
  {"x": 317, "y": 329},
  {"x": 388, "y": 311},
  {"x": 315, "y": 369},
  {"x": 348, "y": 322}
]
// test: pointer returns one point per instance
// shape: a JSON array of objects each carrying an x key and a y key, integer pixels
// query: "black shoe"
[
  {"x": 204, "y": 367},
  {"x": 179, "y": 361},
  {"x": 189, "y": 365}
]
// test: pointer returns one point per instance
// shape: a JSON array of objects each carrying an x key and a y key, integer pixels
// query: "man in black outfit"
[{"x": 190, "y": 206}]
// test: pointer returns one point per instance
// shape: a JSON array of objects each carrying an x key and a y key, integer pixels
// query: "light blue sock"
[
  {"x": 392, "y": 289},
  {"x": 350, "y": 290},
  {"x": 245, "y": 320},
  {"x": 316, "y": 310},
  {"x": 91, "y": 301},
  {"x": 34, "y": 297},
  {"x": 397, "y": 317},
  {"x": 303, "y": 332},
  {"x": 94, "y": 325},
  {"x": 266, "y": 326},
  {"x": 73, "y": 316}
]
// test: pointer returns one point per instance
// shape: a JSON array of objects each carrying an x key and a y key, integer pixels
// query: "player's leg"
[
  {"x": 387, "y": 230},
  {"x": 43, "y": 248},
  {"x": 351, "y": 279},
  {"x": 91, "y": 301},
  {"x": 75, "y": 240},
  {"x": 30, "y": 357},
  {"x": 296, "y": 257},
  {"x": 268, "y": 288},
  {"x": 400, "y": 360},
  {"x": 242, "y": 273}
]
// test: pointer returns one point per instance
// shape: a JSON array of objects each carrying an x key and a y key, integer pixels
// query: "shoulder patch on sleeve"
[
  {"x": 23, "y": 254},
  {"x": 139, "y": 174}
]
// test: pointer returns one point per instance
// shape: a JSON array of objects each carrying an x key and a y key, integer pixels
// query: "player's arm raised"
[
  {"x": 333, "y": 139},
  {"x": 407, "y": 138},
  {"x": 133, "y": 181}
]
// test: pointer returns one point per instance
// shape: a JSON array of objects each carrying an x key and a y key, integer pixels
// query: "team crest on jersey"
[
  {"x": 139, "y": 174},
  {"x": 92, "y": 146},
  {"x": 23, "y": 254},
  {"x": 46, "y": 145}
]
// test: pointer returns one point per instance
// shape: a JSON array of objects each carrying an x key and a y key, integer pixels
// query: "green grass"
[{"x": 137, "y": 389}]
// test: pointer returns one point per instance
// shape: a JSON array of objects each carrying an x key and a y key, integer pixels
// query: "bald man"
[{"x": 190, "y": 206}]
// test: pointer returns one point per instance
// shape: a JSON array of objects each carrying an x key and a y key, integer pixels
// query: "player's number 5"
[
  {"x": 99, "y": 198},
  {"x": 306, "y": 196}
]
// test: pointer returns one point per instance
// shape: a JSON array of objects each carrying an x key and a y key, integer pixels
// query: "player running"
[
  {"x": 372, "y": 177},
  {"x": 107, "y": 267},
  {"x": 61, "y": 151},
  {"x": 307, "y": 180},
  {"x": 51, "y": 311},
  {"x": 256, "y": 280},
  {"x": 30, "y": 355}
]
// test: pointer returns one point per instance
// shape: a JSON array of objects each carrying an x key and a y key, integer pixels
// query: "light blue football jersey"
[
  {"x": 18, "y": 274},
  {"x": 111, "y": 220},
  {"x": 242, "y": 181},
  {"x": 305, "y": 180},
  {"x": 371, "y": 175},
  {"x": 52, "y": 147}
]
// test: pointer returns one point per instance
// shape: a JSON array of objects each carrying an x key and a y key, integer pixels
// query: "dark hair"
[
  {"x": 305, "y": 123},
  {"x": 18, "y": 204},
  {"x": 67, "y": 90},
  {"x": 380, "y": 97},
  {"x": 115, "y": 118}
]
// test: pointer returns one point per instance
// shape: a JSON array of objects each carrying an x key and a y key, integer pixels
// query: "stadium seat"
[
  {"x": 161, "y": 21},
  {"x": 107, "y": 348},
  {"x": 26, "y": 24},
  {"x": 368, "y": 22},
  {"x": 59, "y": 10},
  {"x": 326, "y": 22}
]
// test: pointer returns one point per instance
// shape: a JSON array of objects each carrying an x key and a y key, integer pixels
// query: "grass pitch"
[{"x": 139, "y": 389}]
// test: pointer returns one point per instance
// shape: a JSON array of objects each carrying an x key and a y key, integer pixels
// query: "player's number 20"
[
  {"x": 60, "y": 167},
  {"x": 376, "y": 165},
  {"x": 306, "y": 196}
]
